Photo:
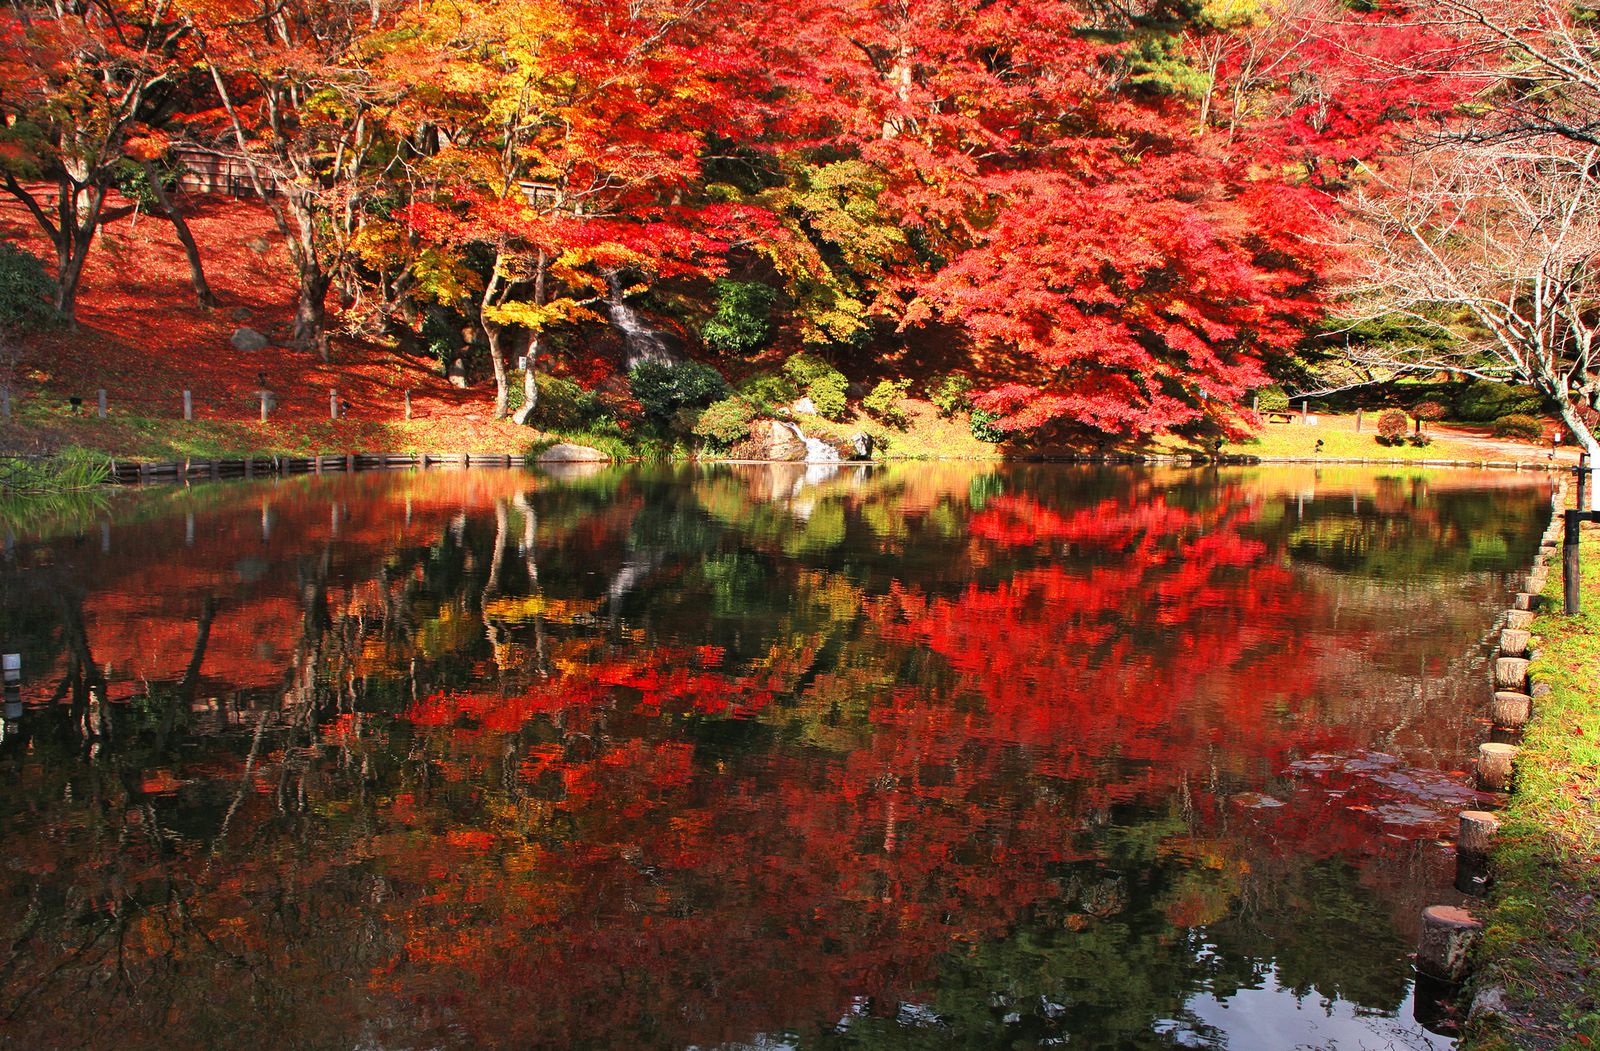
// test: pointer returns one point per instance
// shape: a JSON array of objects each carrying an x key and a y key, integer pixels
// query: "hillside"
[{"x": 141, "y": 337}]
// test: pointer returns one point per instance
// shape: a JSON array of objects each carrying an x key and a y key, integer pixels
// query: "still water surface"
[{"x": 928, "y": 756}]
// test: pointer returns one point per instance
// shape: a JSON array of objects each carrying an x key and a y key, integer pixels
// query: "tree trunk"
[
  {"x": 1586, "y": 439},
  {"x": 530, "y": 385},
  {"x": 311, "y": 311},
  {"x": 497, "y": 358},
  {"x": 180, "y": 226}
]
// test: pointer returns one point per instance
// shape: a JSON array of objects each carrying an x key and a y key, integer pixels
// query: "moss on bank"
[{"x": 1542, "y": 943}]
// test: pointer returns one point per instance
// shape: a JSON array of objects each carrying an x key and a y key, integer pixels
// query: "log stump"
[
  {"x": 1510, "y": 673},
  {"x": 1519, "y": 619},
  {"x": 1476, "y": 836},
  {"x": 1495, "y": 766},
  {"x": 1514, "y": 642},
  {"x": 1510, "y": 709},
  {"x": 1449, "y": 934}
]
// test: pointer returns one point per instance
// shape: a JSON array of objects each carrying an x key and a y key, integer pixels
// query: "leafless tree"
[{"x": 1498, "y": 245}]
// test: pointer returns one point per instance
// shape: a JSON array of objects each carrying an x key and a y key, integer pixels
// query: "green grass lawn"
[
  {"x": 1342, "y": 441},
  {"x": 1542, "y": 945}
]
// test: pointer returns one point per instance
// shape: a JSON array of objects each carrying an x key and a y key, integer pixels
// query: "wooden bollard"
[
  {"x": 1537, "y": 580},
  {"x": 1495, "y": 763},
  {"x": 1510, "y": 673},
  {"x": 1514, "y": 642},
  {"x": 1477, "y": 831},
  {"x": 1444, "y": 949},
  {"x": 1523, "y": 600},
  {"x": 188, "y": 405},
  {"x": 408, "y": 405},
  {"x": 1510, "y": 709},
  {"x": 333, "y": 404},
  {"x": 101, "y": 402},
  {"x": 1519, "y": 619}
]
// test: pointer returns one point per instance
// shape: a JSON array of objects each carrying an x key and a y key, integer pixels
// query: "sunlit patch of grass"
[
  {"x": 1341, "y": 441},
  {"x": 1542, "y": 944}
]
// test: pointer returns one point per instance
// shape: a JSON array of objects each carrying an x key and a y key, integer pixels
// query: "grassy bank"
[{"x": 1542, "y": 945}]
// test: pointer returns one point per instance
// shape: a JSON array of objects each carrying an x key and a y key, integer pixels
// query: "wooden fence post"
[
  {"x": 188, "y": 405},
  {"x": 408, "y": 404},
  {"x": 102, "y": 400},
  {"x": 333, "y": 404},
  {"x": 263, "y": 405}
]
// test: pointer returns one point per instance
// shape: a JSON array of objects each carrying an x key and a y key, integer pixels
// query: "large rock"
[
  {"x": 566, "y": 452},
  {"x": 783, "y": 443},
  {"x": 248, "y": 339}
]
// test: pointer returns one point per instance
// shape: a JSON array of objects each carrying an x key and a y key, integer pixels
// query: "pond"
[{"x": 760, "y": 756}]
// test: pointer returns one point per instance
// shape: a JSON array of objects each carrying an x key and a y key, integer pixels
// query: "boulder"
[
  {"x": 805, "y": 405},
  {"x": 566, "y": 452},
  {"x": 248, "y": 339},
  {"x": 456, "y": 373},
  {"x": 862, "y": 444},
  {"x": 783, "y": 443},
  {"x": 259, "y": 245}
]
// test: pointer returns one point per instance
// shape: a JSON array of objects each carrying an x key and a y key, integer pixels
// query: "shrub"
[
  {"x": 1486, "y": 400},
  {"x": 821, "y": 382},
  {"x": 949, "y": 395},
  {"x": 726, "y": 421},
  {"x": 1420, "y": 440},
  {"x": 1272, "y": 399},
  {"x": 1519, "y": 425},
  {"x": 768, "y": 390},
  {"x": 662, "y": 388},
  {"x": 1429, "y": 410},
  {"x": 983, "y": 427},
  {"x": 742, "y": 319},
  {"x": 564, "y": 405},
  {"x": 1392, "y": 427},
  {"x": 883, "y": 402},
  {"x": 26, "y": 290}
]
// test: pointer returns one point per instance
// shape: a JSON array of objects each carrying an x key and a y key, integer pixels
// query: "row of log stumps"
[{"x": 1450, "y": 933}]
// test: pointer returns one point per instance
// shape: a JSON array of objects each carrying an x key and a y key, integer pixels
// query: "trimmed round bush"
[
  {"x": 1429, "y": 410},
  {"x": 883, "y": 402},
  {"x": 726, "y": 421},
  {"x": 662, "y": 388},
  {"x": 1521, "y": 426},
  {"x": 768, "y": 390},
  {"x": 821, "y": 382},
  {"x": 1392, "y": 427}
]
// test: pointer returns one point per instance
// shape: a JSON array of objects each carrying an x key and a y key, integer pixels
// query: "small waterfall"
[
  {"x": 817, "y": 450},
  {"x": 643, "y": 342}
]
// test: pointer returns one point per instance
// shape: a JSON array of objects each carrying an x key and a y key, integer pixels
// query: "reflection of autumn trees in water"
[{"x": 651, "y": 760}]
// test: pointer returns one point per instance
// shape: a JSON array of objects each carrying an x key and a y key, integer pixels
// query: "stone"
[
  {"x": 239, "y": 314},
  {"x": 259, "y": 245},
  {"x": 456, "y": 373},
  {"x": 248, "y": 339},
  {"x": 805, "y": 405},
  {"x": 784, "y": 442},
  {"x": 566, "y": 452},
  {"x": 862, "y": 444}
]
